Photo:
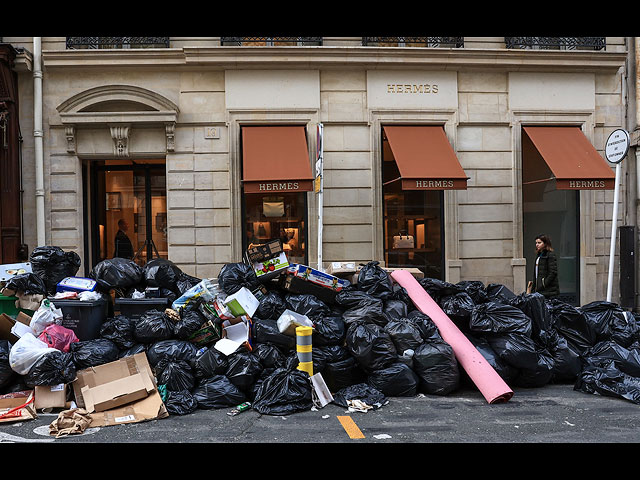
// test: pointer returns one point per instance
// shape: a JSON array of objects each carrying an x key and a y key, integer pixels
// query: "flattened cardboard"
[
  {"x": 50, "y": 396},
  {"x": 117, "y": 392},
  {"x": 6, "y": 324}
]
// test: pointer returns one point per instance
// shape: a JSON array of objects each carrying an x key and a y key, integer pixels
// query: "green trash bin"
[{"x": 8, "y": 306}]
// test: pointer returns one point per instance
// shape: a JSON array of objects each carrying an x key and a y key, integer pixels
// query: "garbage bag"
[
  {"x": 329, "y": 330},
  {"x": 395, "y": 309},
  {"x": 180, "y": 403},
  {"x": 608, "y": 320},
  {"x": 234, "y": 276},
  {"x": 436, "y": 366},
  {"x": 375, "y": 281},
  {"x": 284, "y": 392},
  {"x": 498, "y": 318},
  {"x": 172, "y": 349},
  {"x": 427, "y": 327},
  {"x": 458, "y": 307},
  {"x": 360, "y": 306},
  {"x": 507, "y": 372},
  {"x": 517, "y": 349},
  {"x": 117, "y": 273},
  {"x": 626, "y": 360},
  {"x": 153, "y": 326},
  {"x": 242, "y": 369},
  {"x": 396, "y": 380},
  {"x": 47, "y": 314},
  {"x": 437, "y": 288},
  {"x": 26, "y": 352},
  {"x": 52, "y": 264},
  {"x": 175, "y": 375},
  {"x": 27, "y": 283},
  {"x": 129, "y": 352},
  {"x": 212, "y": 362},
  {"x": 370, "y": 345},
  {"x": 267, "y": 331},
  {"x": 608, "y": 380},
  {"x": 186, "y": 282},
  {"x": 322, "y": 355},
  {"x": 572, "y": 324},
  {"x": 162, "y": 273},
  {"x": 567, "y": 363},
  {"x": 204, "y": 290},
  {"x": 499, "y": 293},
  {"x": 538, "y": 376},
  {"x": 534, "y": 306},
  {"x": 53, "y": 368},
  {"x": 190, "y": 322},
  {"x": 339, "y": 374},
  {"x": 361, "y": 392},
  {"x": 475, "y": 289},
  {"x": 58, "y": 337},
  {"x": 271, "y": 306},
  {"x": 90, "y": 353},
  {"x": 217, "y": 392},
  {"x": 400, "y": 294},
  {"x": 269, "y": 355},
  {"x": 306, "y": 304},
  {"x": 119, "y": 330},
  {"x": 7, "y": 375},
  {"x": 404, "y": 333}
]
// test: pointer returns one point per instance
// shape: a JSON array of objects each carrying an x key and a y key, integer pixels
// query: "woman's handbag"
[
  {"x": 403, "y": 241},
  {"x": 273, "y": 206}
]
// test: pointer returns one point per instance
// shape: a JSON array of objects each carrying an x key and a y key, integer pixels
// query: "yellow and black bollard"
[{"x": 304, "y": 349}]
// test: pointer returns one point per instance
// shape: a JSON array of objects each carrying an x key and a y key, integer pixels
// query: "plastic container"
[
  {"x": 82, "y": 316},
  {"x": 134, "y": 308}
]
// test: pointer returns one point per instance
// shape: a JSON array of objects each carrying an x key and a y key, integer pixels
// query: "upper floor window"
[
  {"x": 271, "y": 41},
  {"x": 117, "y": 42},
  {"x": 556, "y": 43},
  {"x": 443, "y": 42}
]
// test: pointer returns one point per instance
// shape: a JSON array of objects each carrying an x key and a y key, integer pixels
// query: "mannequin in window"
[{"x": 124, "y": 248}]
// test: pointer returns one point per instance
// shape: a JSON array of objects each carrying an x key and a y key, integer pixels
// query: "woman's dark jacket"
[{"x": 546, "y": 283}]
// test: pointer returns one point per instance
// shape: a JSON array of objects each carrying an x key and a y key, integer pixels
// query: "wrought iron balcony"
[
  {"x": 556, "y": 43},
  {"x": 116, "y": 42},
  {"x": 271, "y": 41},
  {"x": 442, "y": 42}
]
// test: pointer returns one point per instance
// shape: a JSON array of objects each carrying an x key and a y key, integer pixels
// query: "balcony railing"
[
  {"x": 117, "y": 42},
  {"x": 271, "y": 41},
  {"x": 556, "y": 43},
  {"x": 442, "y": 42}
]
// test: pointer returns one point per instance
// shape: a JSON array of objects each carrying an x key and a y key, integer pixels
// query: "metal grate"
[
  {"x": 441, "y": 42},
  {"x": 271, "y": 41},
  {"x": 116, "y": 42},
  {"x": 556, "y": 43}
]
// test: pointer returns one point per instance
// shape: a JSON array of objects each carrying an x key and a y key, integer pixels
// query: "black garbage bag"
[
  {"x": 499, "y": 293},
  {"x": 608, "y": 380},
  {"x": 217, "y": 392},
  {"x": 234, "y": 276},
  {"x": 427, "y": 327},
  {"x": 360, "y": 306},
  {"x": 329, "y": 330},
  {"x": 475, "y": 289},
  {"x": 186, "y": 282},
  {"x": 175, "y": 375},
  {"x": 119, "y": 330},
  {"x": 243, "y": 368},
  {"x": 498, "y": 318},
  {"x": 162, "y": 273},
  {"x": 567, "y": 363},
  {"x": 52, "y": 368},
  {"x": 269, "y": 355},
  {"x": 153, "y": 326},
  {"x": 210, "y": 363},
  {"x": 53, "y": 264},
  {"x": 371, "y": 346},
  {"x": 342, "y": 373},
  {"x": 534, "y": 306},
  {"x": 129, "y": 352},
  {"x": 363, "y": 392},
  {"x": 396, "y": 380},
  {"x": 502, "y": 368},
  {"x": 572, "y": 324},
  {"x": 284, "y": 392},
  {"x": 117, "y": 273},
  {"x": 404, "y": 333},
  {"x": 7, "y": 375},
  {"x": 306, "y": 304},
  {"x": 322, "y": 355},
  {"x": 458, "y": 307},
  {"x": 271, "y": 306},
  {"x": 375, "y": 281},
  {"x": 626, "y": 360},
  {"x": 190, "y": 322},
  {"x": 91, "y": 353},
  {"x": 27, "y": 283},
  {"x": 400, "y": 294},
  {"x": 395, "y": 309},
  {"x": 437, "y": 288},
  {"x": 609, "y": 321},
  {"x": 516, "y": 349},
  {"x": 180, "y": 403},
  {"x": 539, "y": 376},
  {"x": 266, "y": 331},
  {"x": 172, "y": 349},
  {"x": 436, "y": 366}
]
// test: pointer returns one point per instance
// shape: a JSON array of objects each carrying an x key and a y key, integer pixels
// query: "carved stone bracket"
[
  {"x": 170, "y": 130},
  {"x": 120, "y": 136},
  {"x": 70, "y": 134}
]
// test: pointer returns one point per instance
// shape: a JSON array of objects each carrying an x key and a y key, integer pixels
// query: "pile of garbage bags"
[{"x": 368, "y": 344}]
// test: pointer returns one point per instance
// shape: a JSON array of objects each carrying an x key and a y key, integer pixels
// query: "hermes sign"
[{"x": 412, "y": 89}]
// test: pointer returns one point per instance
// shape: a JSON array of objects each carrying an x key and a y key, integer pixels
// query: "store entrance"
[{"x": 128, "y": 211}]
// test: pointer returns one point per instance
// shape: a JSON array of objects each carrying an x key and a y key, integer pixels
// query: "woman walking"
[{"x": 545, "y": 279}]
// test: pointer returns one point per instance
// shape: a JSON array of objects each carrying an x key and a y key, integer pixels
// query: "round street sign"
[{"x": 617, "y": 145}]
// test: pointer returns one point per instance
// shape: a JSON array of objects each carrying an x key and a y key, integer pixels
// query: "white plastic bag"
[
  {"x": 26, "y": 352},
  {"x": 205, "y": 289},
  {"x": 46, "y": 315}
]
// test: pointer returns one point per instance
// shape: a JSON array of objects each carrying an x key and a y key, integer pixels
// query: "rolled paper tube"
[
  {"x": 491, "y": 385},
  {"x": 304, "y": 349}
]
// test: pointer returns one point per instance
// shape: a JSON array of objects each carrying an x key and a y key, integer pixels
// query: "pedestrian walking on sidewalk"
[{"x": 545, "y": 279}]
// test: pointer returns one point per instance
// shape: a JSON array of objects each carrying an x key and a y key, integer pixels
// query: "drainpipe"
[{"x": 37, "y": 137}]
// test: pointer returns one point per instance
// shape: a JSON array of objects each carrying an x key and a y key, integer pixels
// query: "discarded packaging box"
[
  {"x": 317, "y": 277},
  {"x": 10, "y": 270},
  {"x": 268, "y": 269},
  {"x": 17, "y": 406},
  {"x": 76, "y": 284},
  {"x": 260, "y": 253},
  {"x": 117, "y": 392},
  {"x": 290, "y": 320},
  {"x": 148, "y": 408},
  {"x": 7, "y": 325},
  {"x": 50, "y": 396},
  {"x": 340, "y": 269},
  {"x": 209, "y": 332},
  {"x": 243, "y": 302}
]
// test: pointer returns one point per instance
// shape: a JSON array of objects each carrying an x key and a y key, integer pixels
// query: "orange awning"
[
  {"x": 567, "y": 156},
  {"x": 425, "y": 158},
  {"x": 275, "y": 159}
]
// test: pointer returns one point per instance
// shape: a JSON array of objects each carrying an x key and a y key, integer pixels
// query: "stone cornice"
[{"x": 327, "y": 57}]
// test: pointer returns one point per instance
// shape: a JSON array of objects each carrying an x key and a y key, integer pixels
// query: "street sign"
[{"x": 617, "y": 146}]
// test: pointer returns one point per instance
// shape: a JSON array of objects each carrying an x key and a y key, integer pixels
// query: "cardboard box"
[
  {"x": 261, "y": 253},
  {"x": 341, "y": 269},
  {"x": 317, "y": 277},
  {"x": 54, "y": 396},
  {"x": 290, "y": 320},
  {"x": 147, "y": 408},
  {"x": 7, "y": 324},
  {"x": 17, "y": 406},
  {"x": 243, "y": 302},
  {"x": 208, "y": 333},
  {"x": 271, "y": 268},
  {"x": 294, "y": 284}
]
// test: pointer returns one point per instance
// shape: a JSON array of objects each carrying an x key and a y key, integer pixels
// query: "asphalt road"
[{"x": 551, "y": 414}]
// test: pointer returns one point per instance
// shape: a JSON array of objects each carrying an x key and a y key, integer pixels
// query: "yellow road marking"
[{"x": 350, "y": 427}]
